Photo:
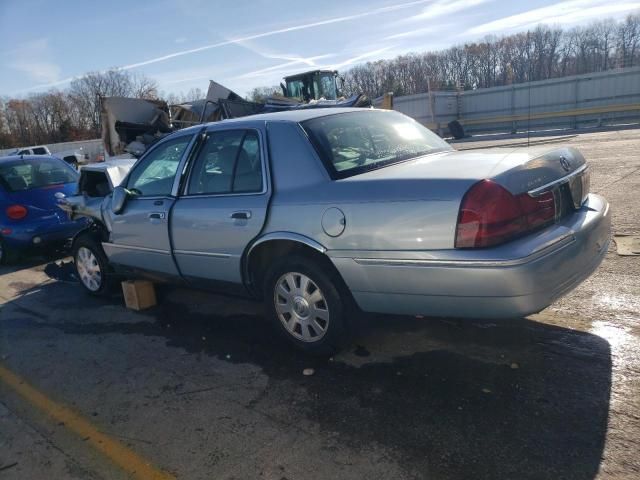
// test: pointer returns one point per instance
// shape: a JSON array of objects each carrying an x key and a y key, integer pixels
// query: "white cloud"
[
  {"x": 34, "y": 59},
  {"x": 358, "y": 58},
  {"x": 310, "y": 61},
  {"x": 441, "y": 8},
  {"x": 293, "y": 28},
  {"x": 566, "y": 12},
  {"x": 411, "y": 33},
  {"x": 286, "y": 68},
  {"x": 291, "y": 60}
]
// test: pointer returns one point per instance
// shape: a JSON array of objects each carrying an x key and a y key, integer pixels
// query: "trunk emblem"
[{"x": 565, "y": 163}]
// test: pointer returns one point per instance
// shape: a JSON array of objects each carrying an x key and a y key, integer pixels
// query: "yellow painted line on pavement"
[{"x": 122, "y": 456}]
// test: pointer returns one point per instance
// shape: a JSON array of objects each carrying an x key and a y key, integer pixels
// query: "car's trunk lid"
[
  {"x": 517, "y": 169},
  {"x": 42, "y": 202}
]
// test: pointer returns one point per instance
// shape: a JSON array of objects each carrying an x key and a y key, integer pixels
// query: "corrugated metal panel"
[{"x": 614, "y": 87}]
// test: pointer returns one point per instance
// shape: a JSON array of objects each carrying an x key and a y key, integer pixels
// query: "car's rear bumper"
[
  {"x": 42, "y": 234},
  {"x": 512, "y": 280}
]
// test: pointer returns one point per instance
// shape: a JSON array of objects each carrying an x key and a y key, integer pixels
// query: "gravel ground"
[{"x": 201, "y": 388}]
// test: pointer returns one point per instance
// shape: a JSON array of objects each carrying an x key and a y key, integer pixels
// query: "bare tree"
[
  {"x": 628, "y": 38},
  {"x": 87, "y": 91},
  {"x": 541, "y": 53}
]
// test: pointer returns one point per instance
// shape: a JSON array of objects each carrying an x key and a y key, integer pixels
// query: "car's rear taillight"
[
  {"x": 538, "y": 211},
  {"x": 490, "y": 215},
  {"x": 16, "y": 212}
]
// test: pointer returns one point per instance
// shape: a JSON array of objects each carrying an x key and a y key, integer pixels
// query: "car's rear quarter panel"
[
  {"x": 400, "y": 218},
  {"x": 395, "y": 214}
]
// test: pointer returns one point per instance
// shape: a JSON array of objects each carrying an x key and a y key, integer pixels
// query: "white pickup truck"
[{"x": 72, "y": 157}]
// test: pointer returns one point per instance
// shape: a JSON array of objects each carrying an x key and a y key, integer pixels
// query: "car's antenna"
[{"x": 529, "y": 93}]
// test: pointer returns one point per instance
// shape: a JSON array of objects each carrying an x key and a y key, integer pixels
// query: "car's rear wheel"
[
  {"x": 92, "y": 267},
  {"x": 306, "y": 305}
]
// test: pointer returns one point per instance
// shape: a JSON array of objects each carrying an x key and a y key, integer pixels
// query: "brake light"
[
  {"x": 490, "y": 215},
  {"x": 16, "y": 212}
]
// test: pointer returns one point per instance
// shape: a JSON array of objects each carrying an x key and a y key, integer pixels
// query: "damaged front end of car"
[{"x": 95, "y": 186}]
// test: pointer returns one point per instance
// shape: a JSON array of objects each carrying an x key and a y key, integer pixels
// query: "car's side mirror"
[{"x": 119, "y": 199}]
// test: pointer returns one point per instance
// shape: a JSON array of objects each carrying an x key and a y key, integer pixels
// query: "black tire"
[
  {"x": 456, "y": 129},
  {"x": 7, "y": 255},
  {"x": 89, "y": 242},
  {"x": 337, "y": 301}
]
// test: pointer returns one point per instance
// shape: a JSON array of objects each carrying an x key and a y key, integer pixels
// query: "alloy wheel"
[
  {"x": 88, "y": 269},
  {"x": 301, "y": 307}
]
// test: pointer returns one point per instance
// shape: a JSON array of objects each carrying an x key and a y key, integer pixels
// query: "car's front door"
[
  {"x": 140, "y": 233},
  {"x": 223, "y": 207}
]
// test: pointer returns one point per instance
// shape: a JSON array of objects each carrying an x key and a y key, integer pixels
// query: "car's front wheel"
[
  {"x": 307, "y": 307},
  {"x": 92, "y": 266}
]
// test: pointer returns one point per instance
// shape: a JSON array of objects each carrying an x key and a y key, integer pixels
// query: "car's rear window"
[
  {"x": 354, "y": 142},
  {"x": 26, "y": 174}
]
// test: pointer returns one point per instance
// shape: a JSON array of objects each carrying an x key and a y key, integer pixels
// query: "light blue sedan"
[{"x": 323, "y": 212}]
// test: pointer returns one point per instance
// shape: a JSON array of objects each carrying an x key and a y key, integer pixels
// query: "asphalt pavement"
[{"x": 199, "y": 387}]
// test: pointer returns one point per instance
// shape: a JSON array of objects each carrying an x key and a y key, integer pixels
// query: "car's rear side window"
[
  {"x": 27, "y": 174},
  {"x": 354, "y": 142},
  {"x": 228, "y": 162}
]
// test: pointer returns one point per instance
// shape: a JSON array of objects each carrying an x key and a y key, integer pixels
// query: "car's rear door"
[
  {"x": 140, "y": 233},
  {"x": 223, "y": 206}
]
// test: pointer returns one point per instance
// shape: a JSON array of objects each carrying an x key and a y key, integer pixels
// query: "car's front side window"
[
  {"x": 155, "y": 173},
  {"x": 228, "y": 162},
  {"x": 354, "y": 142}
]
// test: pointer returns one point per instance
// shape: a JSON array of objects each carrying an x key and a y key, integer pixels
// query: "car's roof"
[
  {"x": 296, "y": 116},
  {"x": 27, "y": 157}
]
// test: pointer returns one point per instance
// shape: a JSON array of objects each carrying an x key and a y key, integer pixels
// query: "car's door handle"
[
  {"x": 156, "y": 216},
  {"x": 241, "y": 215}
]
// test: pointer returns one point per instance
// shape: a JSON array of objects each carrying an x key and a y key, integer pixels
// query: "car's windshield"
[
  {"x": 26, "y": 174},
  {"x": 350, "y": 143}
]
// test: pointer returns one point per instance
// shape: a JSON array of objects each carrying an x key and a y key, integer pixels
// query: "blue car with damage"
[{"x": 30, "y": 187}]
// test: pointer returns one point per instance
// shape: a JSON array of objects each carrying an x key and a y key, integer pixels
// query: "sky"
[{"x": 242, "y": 44}]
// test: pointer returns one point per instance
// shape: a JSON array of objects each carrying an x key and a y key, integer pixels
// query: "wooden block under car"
[{"x": 138, "y": 294}]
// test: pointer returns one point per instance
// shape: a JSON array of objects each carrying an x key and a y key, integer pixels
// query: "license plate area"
[{"x": 579, "y": 186}]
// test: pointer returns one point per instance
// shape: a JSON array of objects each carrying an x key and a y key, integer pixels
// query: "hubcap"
[
  {"x": 301, "y": 307},
  {"x": 88, "y": 269}
]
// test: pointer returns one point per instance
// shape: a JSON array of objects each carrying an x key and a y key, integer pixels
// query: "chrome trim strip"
[
  {"x": 182, "y": 164},
  {"x": 295, "y": 237},
  {"x": 202, "y": 254},
  {"x": 540, "y": 190},
  {"x": 398, "y": 262},
  {"x": 132, "y": 247}
]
